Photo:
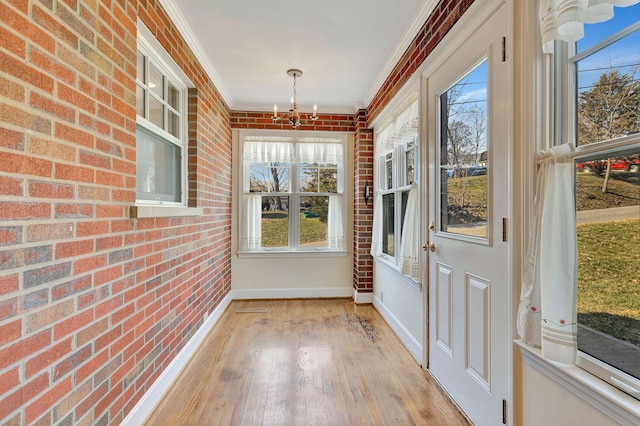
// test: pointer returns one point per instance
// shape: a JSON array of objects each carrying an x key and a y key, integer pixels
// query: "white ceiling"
[{"x": 345, "y": 48}]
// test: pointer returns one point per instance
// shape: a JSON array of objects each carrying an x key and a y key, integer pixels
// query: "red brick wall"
[
  {"x": 262, "y": 120},
  {"x": 93, "y": 304},
  {"x": 362, "y": 213}
]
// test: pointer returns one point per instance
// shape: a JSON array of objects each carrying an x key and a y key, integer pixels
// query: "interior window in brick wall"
[{"x": 160, "y": 129}]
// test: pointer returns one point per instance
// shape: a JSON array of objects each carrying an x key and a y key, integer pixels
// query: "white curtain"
[
  {"x": 335, "y": 231},
  {"x": 399, "y": 131},
  {"x": 376, "y": 231},
  {"x": 547, "y": 311},
  {"x": 410, "y": 244},
  {"x": 267, "y": 152},
  {"x": 324, "y": 153},
  {"x": 252, "y": 236},
  {"x": 565, "y": 19}
]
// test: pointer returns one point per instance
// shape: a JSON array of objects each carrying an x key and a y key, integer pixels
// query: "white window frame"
[
  {"x": 398, "y": 187},
  {"x": 563, "y": 127},
  {"x": 293, "y": 248},
  {"x": 148, "y": 45}
]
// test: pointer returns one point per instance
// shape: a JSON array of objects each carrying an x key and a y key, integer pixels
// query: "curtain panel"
[
  {"x": 547, "y": 311},
  {"x": 376, "y": 232},
  {"x": 252, "y": 236},
  {"x": 267, "y": 152},
  {"x": 565, "y": 19},
  {"x": 335, "y": 230},
  {"x": 410, "y": 243},
  {"x": 399, "y": 131}
]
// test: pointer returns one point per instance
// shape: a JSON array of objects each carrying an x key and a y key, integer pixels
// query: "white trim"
[
  {"x": 291, "y": 293},
  {"x": 410, "y": 342},
  {"x": 607, "y": 399},
  {"x": 156, "y": 392},
  {"x": 192, "y": 41},
  {"x": 166, "y": 62},
  {"x": 385, "y": 261},
  {"x": 465, "y": 27},
  {"x": 362, "y": 298},
  {"x": 412, "y": 31},
  {"x": 323, "y": 252}
]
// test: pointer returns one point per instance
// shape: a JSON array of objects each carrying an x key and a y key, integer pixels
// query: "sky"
[{"x": 624, "y": 54}]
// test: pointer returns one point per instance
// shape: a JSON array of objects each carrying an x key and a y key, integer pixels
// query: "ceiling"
[{"x": 345, "y": 48}]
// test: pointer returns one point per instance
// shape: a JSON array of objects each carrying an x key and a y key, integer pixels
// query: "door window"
[{"x": 464, "y": 163}]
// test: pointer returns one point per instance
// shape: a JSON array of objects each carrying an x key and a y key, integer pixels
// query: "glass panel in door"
[{"x": 463, "y": 162}]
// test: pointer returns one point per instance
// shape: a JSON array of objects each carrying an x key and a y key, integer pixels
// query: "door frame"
[{"x": 477, "y": 14}]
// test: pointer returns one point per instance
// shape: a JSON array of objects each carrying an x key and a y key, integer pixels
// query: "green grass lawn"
[
  {"x": 609, "y": 257},
  {"x": 467, "y": 199},
  {"x": 609, "y": 278},
  {"x": 275, "y": 231},
  {"x": 623, "y": 191}
]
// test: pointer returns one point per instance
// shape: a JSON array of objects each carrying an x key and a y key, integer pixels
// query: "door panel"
[
  {"x": 469, "y": 141},
  {"x": 478, "y": 349},
  {"x": 444, "y": 288}
]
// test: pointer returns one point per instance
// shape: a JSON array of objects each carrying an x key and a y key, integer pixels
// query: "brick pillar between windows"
[{"x": 363, "y": 213}]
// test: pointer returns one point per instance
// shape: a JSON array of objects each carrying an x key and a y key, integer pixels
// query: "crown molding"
[
  {"x": 183, "y": 27},
  {"x": 411, "y": 33}
]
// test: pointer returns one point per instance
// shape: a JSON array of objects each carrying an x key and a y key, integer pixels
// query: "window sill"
[
  {"x": 383, "y": 261},
  {"x": 283, "y": 253},
  {"x": 142, "y": 211},
  {"x": 611, "y": 401}
]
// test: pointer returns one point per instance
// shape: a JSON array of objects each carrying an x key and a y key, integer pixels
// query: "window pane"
[
  {"x": 313, "y": 221},
  {"x": 275, "y": 221},
  {"x": 608, "y": 232},
  {"x": 328, "y": 179},
  {"x": 463, "y": 155},
  {"x": 388, "y": 224},
  {"x": 266, "y": 177},
  {"x": 410, "y": 163},
  {"x": 140, "y": 68},
  {"x": 405, "y": 197},
  {"x": 309, "y": 178},
  {"x": 158, "y": 168},
  {"x": 388, "y": 167},
  {"x": 173, "y": 96},
  {"x": 609, "y": 92},
  {"x": 594, "y": 33},
  {"x": 156, "y": 81},
  {"x": 140, "y": 101},
  {"x": 156, "y": 112},
  {"x": 173, "y": 124}
]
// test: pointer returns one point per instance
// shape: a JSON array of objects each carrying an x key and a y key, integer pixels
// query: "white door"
[{"x": 469, "y": 143}]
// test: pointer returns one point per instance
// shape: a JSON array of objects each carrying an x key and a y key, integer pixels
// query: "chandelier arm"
[{"x": 294, "y": 115}]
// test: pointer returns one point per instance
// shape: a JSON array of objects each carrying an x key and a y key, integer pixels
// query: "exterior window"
[
  {"x": 293, "y": 198},
  {"x": 160, "y": 129},
  {"x": 604, "y": 100},
  {"x": 397, "y": 174}
]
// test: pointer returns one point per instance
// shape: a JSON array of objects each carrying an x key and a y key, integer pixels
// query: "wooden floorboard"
[{"x": 303, "y": 362}]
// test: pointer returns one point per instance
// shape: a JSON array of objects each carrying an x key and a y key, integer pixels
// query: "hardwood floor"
[{"x": 303, "y": 362}]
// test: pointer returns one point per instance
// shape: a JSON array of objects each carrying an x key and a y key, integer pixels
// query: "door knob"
[{"x": 430, "y": 245}]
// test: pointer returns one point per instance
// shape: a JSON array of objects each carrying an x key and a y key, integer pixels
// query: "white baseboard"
[
  {"x": 152, "y": 397},
  {"x": 361, "y": 297},
  {"x": 410, "y": 342},
  {"x": 290, "y": 293}
]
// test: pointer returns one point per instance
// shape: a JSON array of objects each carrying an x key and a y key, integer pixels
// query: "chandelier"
[{"x": 293, "y": 116}]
